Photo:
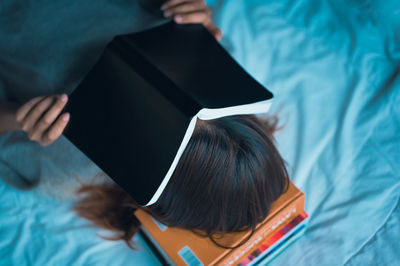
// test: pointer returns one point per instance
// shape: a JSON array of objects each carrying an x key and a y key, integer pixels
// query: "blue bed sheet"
[{"x": 334, "y": 68}]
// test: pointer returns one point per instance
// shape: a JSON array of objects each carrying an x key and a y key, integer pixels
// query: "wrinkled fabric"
[{"x": 333, "y": 67}]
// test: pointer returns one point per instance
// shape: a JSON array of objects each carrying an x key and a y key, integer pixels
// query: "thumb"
[{"x": 216, "y": 32}]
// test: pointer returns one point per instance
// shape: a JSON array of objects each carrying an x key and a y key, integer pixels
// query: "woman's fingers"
[
  {"x": 193, "y": 17},
  {"x": 36, "y": 112},
  {"x": 215, "y": 31},
  {"x": 191, "y": 11},
  {"x": 56, "y": 129},
  {"x": 24, "y": 109},
  {"x": 200, "y": 17},
  {"x": 186, "y": 7},
  {"x": 49, "y": 117},
  {"x": 172, "y": 3},
  {"x": 38, "y": 118}
]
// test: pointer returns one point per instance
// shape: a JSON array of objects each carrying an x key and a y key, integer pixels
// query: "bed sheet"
[
  {"x": 333, "y": 67},
  {"x": 40, "y": 231}
]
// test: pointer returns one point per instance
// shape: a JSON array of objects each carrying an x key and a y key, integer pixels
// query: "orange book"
[{"x": 183, "y": 247}]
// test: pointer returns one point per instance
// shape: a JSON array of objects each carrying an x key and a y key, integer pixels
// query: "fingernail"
[
  {"x": 167, "y": 13},
  {"x": 164, "y": 6},
  {"x": 65, "y": 117},
  {"x": 64, "y": 98},
  {"x": 178, "y": 18}
]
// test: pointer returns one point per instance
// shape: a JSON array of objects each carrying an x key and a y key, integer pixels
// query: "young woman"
[{"x": 225, "y": 181}]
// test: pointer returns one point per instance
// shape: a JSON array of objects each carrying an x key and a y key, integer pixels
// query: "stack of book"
[{"x": 284, "y": 224}]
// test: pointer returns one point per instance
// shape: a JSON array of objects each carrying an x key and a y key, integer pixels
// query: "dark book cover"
[{"x": 134, "y": 112}]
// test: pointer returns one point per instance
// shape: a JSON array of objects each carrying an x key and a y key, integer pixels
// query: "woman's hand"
[
  {"x": 191, "y": 11},
  {"x": 38, "y": 118}
]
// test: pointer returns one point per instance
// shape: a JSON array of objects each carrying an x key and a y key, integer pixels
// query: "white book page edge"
[{"x": 208, "y": 114}]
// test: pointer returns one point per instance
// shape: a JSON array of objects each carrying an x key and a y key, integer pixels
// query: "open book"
[{"x": 135, "y": 111}]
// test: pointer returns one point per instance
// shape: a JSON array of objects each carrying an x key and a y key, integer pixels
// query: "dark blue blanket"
[{"x": 48, "y": 46}]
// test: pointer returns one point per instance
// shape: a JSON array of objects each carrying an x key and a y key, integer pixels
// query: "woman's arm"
[{"x": 8, "y": 120}]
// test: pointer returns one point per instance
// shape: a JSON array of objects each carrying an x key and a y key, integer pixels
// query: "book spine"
[
  {"x": 264, "y": 232},
  {"x": 272, "y": 245},
  {"x": 153, "y": 75}
]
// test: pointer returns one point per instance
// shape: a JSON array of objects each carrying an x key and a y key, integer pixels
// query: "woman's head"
[{"x": 226, "y": 179}]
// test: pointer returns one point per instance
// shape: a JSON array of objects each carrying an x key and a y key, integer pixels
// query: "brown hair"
[{"x": 225, "y": 181}]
